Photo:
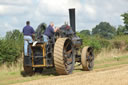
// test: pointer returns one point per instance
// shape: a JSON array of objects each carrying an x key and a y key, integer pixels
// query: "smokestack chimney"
[{"x": 72, "y": 18}]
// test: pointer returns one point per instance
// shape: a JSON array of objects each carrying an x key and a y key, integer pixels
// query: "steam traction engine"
[{"x": 61, "y": 51}]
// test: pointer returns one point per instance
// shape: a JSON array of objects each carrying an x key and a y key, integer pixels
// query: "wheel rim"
[
  {"x": 90, "y": 58},
  {"x": 68, "y": 55}
]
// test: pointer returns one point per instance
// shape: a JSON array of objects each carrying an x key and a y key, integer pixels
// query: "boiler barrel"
[{"x": 77, "y": 42}]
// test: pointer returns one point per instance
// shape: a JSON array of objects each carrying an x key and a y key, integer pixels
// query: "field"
[
  {"x": 117, "y": 76},
  {"x": 110, "y": 67}
]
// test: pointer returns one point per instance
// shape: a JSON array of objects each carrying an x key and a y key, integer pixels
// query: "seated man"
[
  {"x": 49, "y": 32},
  {"x": 28, "y": 32}
]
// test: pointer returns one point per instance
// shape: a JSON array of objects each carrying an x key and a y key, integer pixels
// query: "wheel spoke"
[
  {"x": 90, "y": 64},
  {"x": 66, "y": 46},
  {"x": 69, "y": 67},
  {"x": 68, "y": 52},
  {"x": 69, "y": 61}
]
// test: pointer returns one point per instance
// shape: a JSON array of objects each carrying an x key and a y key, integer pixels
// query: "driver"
[{"x": 49, "y": 32}]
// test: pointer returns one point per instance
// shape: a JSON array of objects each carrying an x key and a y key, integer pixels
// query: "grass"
[
  {"x": 105, "y": 63},
  {"x": 16, "y": 77},
  {"x": 14, "y": 74},
  {"x": 110, "y": 62}
]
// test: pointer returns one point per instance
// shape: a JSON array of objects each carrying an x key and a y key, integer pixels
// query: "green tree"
[
  {"x": 11, "y": 46},
  {"x": 125, "y": 18},
  {"x": 14, "y": 35},
  {"x": 85, "y": 32},
  {"x": 121, "y": 30},
  {"x": 105, "y": 30}
]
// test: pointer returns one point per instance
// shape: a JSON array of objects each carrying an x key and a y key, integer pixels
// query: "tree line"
[{"x": 106, "y": 30}]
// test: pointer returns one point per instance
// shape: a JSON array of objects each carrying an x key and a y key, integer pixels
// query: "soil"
[{"x": 114, "y": 76}]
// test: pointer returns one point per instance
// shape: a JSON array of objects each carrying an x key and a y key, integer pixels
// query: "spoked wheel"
[
  {"x": 64, "y": 56},
  {"x": 87, "y": 58},
  {"x": 28, "y": 70}
]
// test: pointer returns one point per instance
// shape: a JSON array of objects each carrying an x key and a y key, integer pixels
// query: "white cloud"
[
  {"x": 2, "y": 10},
  {"x": 16, "y": 2},
  {"x": 55, "y": 10},
  {"x": 14, "y": 13},
  {"x": 12, "y": 10},
  {"x": 90, "y": 10},
  {"x": 58, "y": 7},
  {"x": 5, "y": 27},
  {"x": 103, "y": 10}
]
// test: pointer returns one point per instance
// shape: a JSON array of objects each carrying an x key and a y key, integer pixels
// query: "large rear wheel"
[
  {"x": 87, "y": 58},
  {"x": 64, "y": 56}
]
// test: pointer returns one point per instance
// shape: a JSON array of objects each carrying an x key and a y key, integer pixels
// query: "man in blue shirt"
[
  {"x": 49, "y": 32},
  {"x": 28, "y": 32}
]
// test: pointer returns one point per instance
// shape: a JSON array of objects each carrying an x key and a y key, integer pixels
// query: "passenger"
[
  {"x": 28, "y": 32},
  {"x": 49, "y": 32}
]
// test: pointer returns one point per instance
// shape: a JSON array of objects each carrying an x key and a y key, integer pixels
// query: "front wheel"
[{"x": 87, "y": 58}]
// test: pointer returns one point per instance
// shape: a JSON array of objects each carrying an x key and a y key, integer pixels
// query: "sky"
[{"x": 89, "y": 13}]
